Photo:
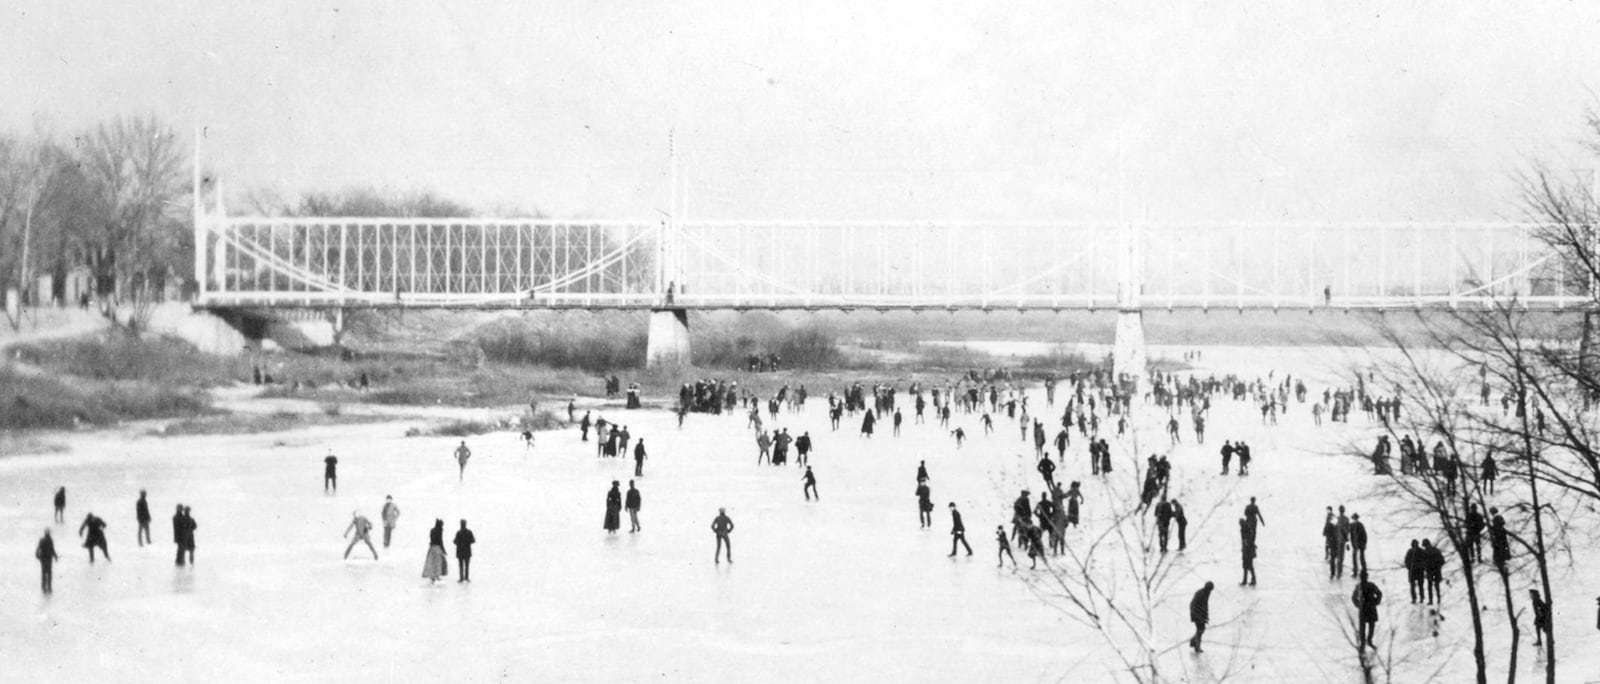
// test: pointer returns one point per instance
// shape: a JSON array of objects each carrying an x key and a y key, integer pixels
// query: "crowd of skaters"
[{"x": 1094, "y": 402}]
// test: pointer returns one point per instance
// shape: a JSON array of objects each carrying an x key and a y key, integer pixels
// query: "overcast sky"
[{"x": 874, "y": 110}]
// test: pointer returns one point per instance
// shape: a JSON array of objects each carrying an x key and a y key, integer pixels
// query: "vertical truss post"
[
  {"x": 1455, "y": 255},
  {"x": 1416, "y": 263}
]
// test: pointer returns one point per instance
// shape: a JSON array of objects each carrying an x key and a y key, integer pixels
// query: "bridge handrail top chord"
[{"x": 234, "y": 221}]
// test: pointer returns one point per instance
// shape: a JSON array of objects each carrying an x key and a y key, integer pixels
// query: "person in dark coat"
[
  {"x": 141, "y": 514},
  {"x": 1047, "y": 468},
  {"x": 958, "y": 533},
  {"x": 61, "y": 504},
  {"x": 1488, "y": 472},
  {"x": 810, "y": 488},
  {"x": 1366, "y": 598},
  {"x": 1074, "y": 498},
  {"x": 922, "y": 472},
  {"x": 613, "y": 508},
  {"x": 1163, "y": 522},
  {"x": 1200, "y": 615},
  {"x": 1253, "y": 518},
  {"x": 1499, "y": 541},
  {"x": 924, "y": 505},
  {"x": 867, "y": 422},
  {"x": 189, "y": 526},
  {"x": 1358, "y": 544},
  {"x": 722, "y": 526},
  {"x": 583, "y": 426},
  {"x": 1475, "y": 527},
  {"x": 633, "y": 505},
  {"x": 435, "y": 565},
  {"x": 802, "y": 448},
  {"x": 464, "y": 540},
  {"x": 1004, "y": 551},
  {"x": 1433, "y": 568},
  {"x": 638, "y": 458},
  {"x": 1183, "y": 525},
  {"x": 93, "y": 531},
  {"x": 1247, "y": 554},
  {"x": 1416, "y": 572},
  {"x": 1541, "y": 615},
  {"x": 46, "y": 553},
  {"x": 330, "y": 473},
  {"x": 179, "y": 529}
]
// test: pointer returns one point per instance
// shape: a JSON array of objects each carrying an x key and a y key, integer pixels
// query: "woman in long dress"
[
  {"x": 613, "y": 508},
  {"x": 437, "y": 564}
]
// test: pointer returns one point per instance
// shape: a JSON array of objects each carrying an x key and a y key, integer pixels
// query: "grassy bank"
[{"x": 29, "y": 402}]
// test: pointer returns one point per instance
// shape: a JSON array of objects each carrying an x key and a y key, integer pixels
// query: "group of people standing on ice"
[{"x": 93, "y": 532}]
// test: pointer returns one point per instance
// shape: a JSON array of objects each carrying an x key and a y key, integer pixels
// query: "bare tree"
[
  {"x": 1117, "y": 583},
  {"x": 135, "y": 171}
]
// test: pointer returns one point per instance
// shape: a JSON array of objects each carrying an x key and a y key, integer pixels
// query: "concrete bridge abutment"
[
  {"x": 1128, "y": 361},
  {"x": 667, "y": 343}
]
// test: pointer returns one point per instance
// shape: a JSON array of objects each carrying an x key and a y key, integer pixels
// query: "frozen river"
[{"x": 845, "y": 589}]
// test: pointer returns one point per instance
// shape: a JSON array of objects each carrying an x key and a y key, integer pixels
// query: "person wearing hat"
[
  {"x": 362, "y": 527},
  {"x": 958, "y": 532},
  {"x": 1021, "y": 513}
]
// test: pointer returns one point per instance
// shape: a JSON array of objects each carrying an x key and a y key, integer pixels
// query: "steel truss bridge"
[{"x": 337, "y": 263}]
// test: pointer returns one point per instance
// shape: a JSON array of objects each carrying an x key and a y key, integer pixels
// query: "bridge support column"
[
  {"x": 668, "y": 341},
  {"x": 1127, "y": 351}
]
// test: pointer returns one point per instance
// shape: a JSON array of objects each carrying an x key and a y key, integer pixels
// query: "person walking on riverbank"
[
  {"x": 722, "y": 526},
  {"x": 141, "y": 515},
  {"x": 363, "y": 528}
]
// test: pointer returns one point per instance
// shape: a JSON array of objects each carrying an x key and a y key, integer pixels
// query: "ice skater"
[
  {"x": 1200, "y": 615},
  {"x": 436, "y": 564},
  {"x": 464, "y": 540},
  {"x": 810, "y": 487},
  {"x": 141, "y": 515},
  {"x": 722, "y": 526},
  {"x": 1366, "y": 598},
  {"x": 462, "y": 453},
  {"x": 93, "y": 530},
  {"x": 958, "y": 533},
  {"x": 179, "y": 529},
  {"x": 330, "y": 473},
  {"x": 613, "y": 508},
  {"x": 632, "y": 503},
  {"x": 363, "y": 529},
  {"x": 189, "y": 526},
  {"x": 925, "y": 506},
  {"x": 46, "y": 553},
  {"x": 391, "y": 517},
  {"x": 61, "y": 504},
  {"x": 638, "y": 458}
]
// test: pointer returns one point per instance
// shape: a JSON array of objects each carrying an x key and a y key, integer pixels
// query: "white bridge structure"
[{"x": 671, "y": 267}]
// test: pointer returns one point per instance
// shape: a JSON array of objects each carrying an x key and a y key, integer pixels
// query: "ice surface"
[{"x": 845, "y": 589}]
